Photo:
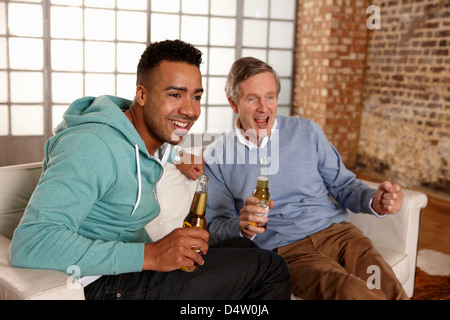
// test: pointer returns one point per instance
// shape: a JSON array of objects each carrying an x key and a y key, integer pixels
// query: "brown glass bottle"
[
  {"x": 196, "y": 216},
  {"x": 262, "y": 190}
]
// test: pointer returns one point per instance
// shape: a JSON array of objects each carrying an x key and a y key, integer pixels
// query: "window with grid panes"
[{"x": 53, "y": 52}]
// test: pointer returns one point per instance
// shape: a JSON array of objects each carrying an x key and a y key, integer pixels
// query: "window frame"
[{"x": 49, "y": 105}]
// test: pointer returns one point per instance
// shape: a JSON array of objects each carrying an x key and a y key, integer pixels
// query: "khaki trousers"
[{"x": 340, "y": 263}]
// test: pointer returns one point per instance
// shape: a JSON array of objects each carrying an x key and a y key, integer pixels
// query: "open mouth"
[
  {"x": 262, "y": 121},
  {"x": 180, "y": 128},
  {"x": 179, "y": 124}
]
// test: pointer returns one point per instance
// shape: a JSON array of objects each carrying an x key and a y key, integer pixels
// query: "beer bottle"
[
  {"x": 196, "y": 216},
  {"x": 262, "y": 190}
]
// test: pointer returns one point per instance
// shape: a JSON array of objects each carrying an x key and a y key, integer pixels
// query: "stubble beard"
[{"x": 158, "y": 129}]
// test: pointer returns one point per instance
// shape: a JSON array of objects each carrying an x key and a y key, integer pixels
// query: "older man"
[{"x": 327, "y": 256}]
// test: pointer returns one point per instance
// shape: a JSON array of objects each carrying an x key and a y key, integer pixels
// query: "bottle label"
[
  {"x": 263, "y": 204},
  {"x": 186, "y": 225}
]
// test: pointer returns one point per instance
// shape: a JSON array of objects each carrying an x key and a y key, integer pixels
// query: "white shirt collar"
[{"x": 248, "y": 143}]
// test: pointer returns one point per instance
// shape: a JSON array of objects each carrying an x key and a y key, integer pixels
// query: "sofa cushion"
[
  {"x": 175, "y": 194},
  {"x": 34, "y": 284},
  {"x": 399, "y": 262}
]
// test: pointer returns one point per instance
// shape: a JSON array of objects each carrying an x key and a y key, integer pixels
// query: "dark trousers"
[{"x": 234, "y": 269}]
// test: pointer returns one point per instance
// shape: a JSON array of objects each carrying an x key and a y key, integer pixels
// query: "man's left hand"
[{"x": 191, "y": 166}]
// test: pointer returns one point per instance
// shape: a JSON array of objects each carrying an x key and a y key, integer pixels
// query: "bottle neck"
[
  {"x": 198, "y": 205},
  {"x": 202, "y": 184},
  {"x": 262, "y": 182},
  {"x": 264, "y": 169}
]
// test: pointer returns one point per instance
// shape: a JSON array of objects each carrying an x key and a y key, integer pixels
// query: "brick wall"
[
  {"x": 330, "y": 60},
  {"x": 405, "y": 131},
  {"x": 382, "y": 96}
]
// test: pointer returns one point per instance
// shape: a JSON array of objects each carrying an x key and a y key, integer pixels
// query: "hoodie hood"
[{"x": 106, "y": 110}]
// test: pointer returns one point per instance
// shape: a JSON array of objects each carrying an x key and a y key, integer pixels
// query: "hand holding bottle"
[
  {"x": 175, "y": 250},
  {"x": 196, "y": 216},
  {"x": 182, "y": 248},
  {"x": 251, "y": 216},
  {"x": 254, "y": 214}
]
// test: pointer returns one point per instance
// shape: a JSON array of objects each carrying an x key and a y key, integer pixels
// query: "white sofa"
[{"x": 396, "y": 236}]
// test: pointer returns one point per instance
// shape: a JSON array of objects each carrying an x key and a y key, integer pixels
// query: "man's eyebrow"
[
  {"x": 183, "y": 89},
  {"x": 257, "y": 94},
  {"x": 176, "y": 88}
]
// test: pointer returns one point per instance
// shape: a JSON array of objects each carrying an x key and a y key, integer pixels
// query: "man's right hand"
[
  {"x": 175, "y": 250},
  {"x": 249, "y": 217}
]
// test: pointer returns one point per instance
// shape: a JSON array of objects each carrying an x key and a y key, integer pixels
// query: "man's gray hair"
[{"x": 241, "y": 70}]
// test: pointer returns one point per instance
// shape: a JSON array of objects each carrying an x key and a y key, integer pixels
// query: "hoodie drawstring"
[{"x": 139, "y": 179}]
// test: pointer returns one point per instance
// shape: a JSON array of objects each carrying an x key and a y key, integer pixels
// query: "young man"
[
  {"x": 98, "y": 191},
  {"x": 328, "y": 257}
]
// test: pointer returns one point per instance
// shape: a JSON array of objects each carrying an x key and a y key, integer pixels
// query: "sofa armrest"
[
  {"x": 398, "y": 232},
  {"x": 34, "y": 284}
]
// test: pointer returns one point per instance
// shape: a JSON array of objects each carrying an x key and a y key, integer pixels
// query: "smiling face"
[
  {"x": 257, "y": 104},
  {"x": 172, "y": 104}
]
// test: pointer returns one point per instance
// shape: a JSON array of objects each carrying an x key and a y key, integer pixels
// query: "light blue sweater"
[
  {"x": 95, "y": 196},
  {"x": 305, "y": 167}
]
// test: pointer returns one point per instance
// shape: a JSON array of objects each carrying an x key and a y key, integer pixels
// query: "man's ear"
[
  {"x": 141, "y": 94},
  {"x": 233, "y": 105}
]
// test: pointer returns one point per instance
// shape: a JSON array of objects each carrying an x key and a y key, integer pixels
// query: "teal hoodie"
[{"x": 96, "y": 193}]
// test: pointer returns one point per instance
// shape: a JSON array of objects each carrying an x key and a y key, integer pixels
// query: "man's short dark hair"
[{"x": 168, "y": 50}]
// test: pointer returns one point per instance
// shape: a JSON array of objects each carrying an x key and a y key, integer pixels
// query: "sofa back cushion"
[
  {"x": 175, "y": 193},
  {"x": 17, "y": 183}
]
